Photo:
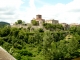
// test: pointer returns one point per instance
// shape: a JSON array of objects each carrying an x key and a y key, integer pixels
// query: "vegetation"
[
  {"x": 35, "y": 23},
  {"x": 2, "y": 24},
  {"x": 52, "y": 27},
  {"x": 54, "y": 43},
  {"x": 19, "y": 22}
]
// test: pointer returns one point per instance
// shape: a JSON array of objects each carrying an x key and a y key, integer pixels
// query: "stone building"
[
  {"x": 39, "y": 19},
  {"x": 65, "y": 25},
  {"x": 52, "y": 21},
  {"x": 74, "y": 24}
]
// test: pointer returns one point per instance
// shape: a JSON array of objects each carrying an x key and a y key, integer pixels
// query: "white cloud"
[
  {"x": 10, "y": 3},
  {"x": 69, "y": 13},
  {"x": 9, "y": 9}
]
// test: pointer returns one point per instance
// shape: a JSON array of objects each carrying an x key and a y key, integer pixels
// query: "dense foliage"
[
  {"x": 54, "y": 43},
  {"x": 19, "y": 22},
  {"x": 35, "y": 23}
]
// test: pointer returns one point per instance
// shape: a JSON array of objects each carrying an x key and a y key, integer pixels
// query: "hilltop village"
[
  {"x": 40, "y": 40},
  {"x": 40, "y": 22}
]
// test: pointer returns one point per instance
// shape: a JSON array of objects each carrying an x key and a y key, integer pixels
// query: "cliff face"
[{"x": 4, "y": 55}]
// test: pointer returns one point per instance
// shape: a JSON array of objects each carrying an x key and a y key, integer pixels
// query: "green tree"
[
  {"x": 1, "y": 41},
  {"x": 73, "y": 29},
  {"x": 19, "y": 21},
  {"x": 49, "y": 26},
  {"x": 78, "y": 30},
  {"x": 47, "y": 39},
  {"x": 59, "y": 26},
  {"x": 34, "y": 22},
  {"x": 5, "y": 31}
]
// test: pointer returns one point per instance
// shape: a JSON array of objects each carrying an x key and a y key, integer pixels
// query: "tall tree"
[
  {"x": 47, "y": 39},
  {"x": 19, "y": 21},
  {"x": 34, "y": 22}
]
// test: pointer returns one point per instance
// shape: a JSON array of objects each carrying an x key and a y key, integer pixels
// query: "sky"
[{"x": 65, "y": 11}]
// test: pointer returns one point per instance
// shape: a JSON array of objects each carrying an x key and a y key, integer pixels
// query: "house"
[
  {"x": 52, "y": 21},
  {"x": 39, "y": 19},
  {"x": 74, "y": 24},
  {"x": 65, "y": 25}
]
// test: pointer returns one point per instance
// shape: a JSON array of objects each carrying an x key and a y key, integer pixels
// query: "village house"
[
  {"x": 74, "y": 24},
  {"x": 52, "y": 21},
  {"x": 65, "y": 25},
  {"x": 39, "y": 19}
]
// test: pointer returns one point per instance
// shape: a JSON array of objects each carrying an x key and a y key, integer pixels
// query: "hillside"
[
  {"x": 54, "y": 43},
  {"x": 2, "y": 24}
]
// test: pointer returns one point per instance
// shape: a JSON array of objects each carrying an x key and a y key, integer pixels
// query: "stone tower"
[{"x": 38, "y": 16}]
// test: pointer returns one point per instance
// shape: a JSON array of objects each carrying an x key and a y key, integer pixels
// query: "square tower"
[{"x": 38, "y": 16}]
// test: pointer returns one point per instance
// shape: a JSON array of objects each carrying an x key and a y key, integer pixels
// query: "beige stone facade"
[
  {"x": 52, "y": 21},
  {"x": 65, "y": 25},
  {"x": 39, "y": 19},
  {"x": 74, "y": 24}
]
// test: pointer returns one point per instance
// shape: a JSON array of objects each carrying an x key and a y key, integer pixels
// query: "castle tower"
[{"x": 38, "y": 16}]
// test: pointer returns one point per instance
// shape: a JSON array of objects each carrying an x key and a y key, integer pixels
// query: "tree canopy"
[{"x": 48, "y": 43}]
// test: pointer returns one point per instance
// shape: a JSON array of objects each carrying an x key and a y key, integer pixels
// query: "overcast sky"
[{"x": 67, "y": 11}]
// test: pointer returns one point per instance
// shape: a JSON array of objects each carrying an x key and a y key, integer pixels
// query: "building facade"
[
  {"x": 65, "y": 25},
  {"x": 74, "y": 24},
  {"x": 52, "y": 21},
  {"x": 39, "y": 19}
]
